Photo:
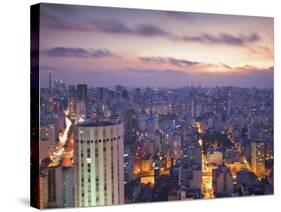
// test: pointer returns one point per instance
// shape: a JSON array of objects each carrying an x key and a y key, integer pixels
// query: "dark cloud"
[
  {"x": 226, "y": 66},
  {"x": 150, "y": 30},
  {"x": 168, "y": 60},
  {"x": 76, "y": 52},
  {"x": 166, "y": 72},
  {"x": 117, "y": 27},
  {"x": 103, "y": 25},
  {"x": 112, "y": 26},
  {"x": 179, "y": 15},
  {"x": 101, "y": 53},
  {"x": 153, "y": 60},
  {"x": 223, "y": 38},
  {"x": 182, "y": 62}
]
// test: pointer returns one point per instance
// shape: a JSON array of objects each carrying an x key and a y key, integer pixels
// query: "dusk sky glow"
[{"x": 104, "y": 46}]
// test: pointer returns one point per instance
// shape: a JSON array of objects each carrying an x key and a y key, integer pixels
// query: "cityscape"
[{"x": 150, "y": 114}]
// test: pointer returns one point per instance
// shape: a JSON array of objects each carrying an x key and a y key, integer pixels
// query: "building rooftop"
[{"x": 99, "y": 122}]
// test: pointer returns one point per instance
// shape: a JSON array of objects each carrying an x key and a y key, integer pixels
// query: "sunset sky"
[{"x": 106, "y": 46}]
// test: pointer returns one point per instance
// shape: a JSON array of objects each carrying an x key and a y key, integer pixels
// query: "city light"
[{"x": 123, "y": 119}]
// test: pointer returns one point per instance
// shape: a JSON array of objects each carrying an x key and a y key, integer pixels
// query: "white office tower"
[{"x": 99, "y": 169}]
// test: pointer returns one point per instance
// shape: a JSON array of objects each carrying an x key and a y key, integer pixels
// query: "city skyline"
[
  {"x": 152, "y": 85},
  {"x": 132, "y": 106},
  {"x": 131, "y": 47},
  {"x": 160, "y": 144}
]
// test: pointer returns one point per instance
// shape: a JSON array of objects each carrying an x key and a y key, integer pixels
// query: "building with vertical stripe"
[{"x": 99, "y": 169}]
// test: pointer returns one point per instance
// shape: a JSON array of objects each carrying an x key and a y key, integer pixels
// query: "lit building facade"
[
  {"x": 43, "y": 192},
  {"x": 258, "y": 157},
  {"x": 99, "y": 166},
  {"x": 47, "y": 139}
]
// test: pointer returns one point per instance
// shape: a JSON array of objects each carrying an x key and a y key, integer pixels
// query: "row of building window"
[
  {"x": 96, "y": 152},
  {"x": 100, "y": 140}
]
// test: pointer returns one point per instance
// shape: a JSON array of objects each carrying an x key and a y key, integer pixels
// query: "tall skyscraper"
[
  {"x": 222, "y": 182},
  {"x": 258, "y": 157},
  {"x": 196, "y": 107},
  {"x": 128, "y": 165},
  {"x": 82, "y": 92},
  {"x": 43, "y": 191},
  {"x": 131, "y": 127},
  {"x": 60, "y": 187},
  {"x": 193, "y": 107},
  {"x": 99, "y": 169},
  {"x": 50, "y": 80},
  {"x": 82, "y": 95},
  {"x": 47, "y": 139},
  {"x": 72, "y": 103}
]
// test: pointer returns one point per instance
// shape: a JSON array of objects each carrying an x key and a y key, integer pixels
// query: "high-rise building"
[
  {"x": 195, "y": 107},
  {"x": 60, "y": 187},
  {"x": 47, "y": 139},
  {"x": 258, "y": 156},
  {"x": 72, "y": 105},
  {"x": 191, "y": 176},
  {"x": 192, "y": 152},
  {"x": 128, "y": 165},
  {"x": 99, "y": 169},
  {"x": 131, "y": 127},
  {"x": 82, "y": 92},
  {"x": 50, "y": 80},
  {"x": 43, "y": 192},
  {"x": 222, "y": 182},
  {"x": 81, "y": 110}
]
